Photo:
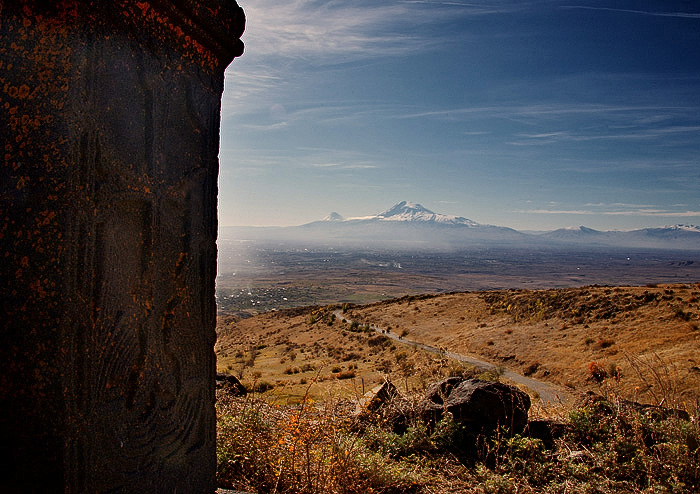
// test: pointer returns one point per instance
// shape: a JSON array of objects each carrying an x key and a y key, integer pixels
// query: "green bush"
[
  {"x": 302, "y": 449},
  {"x": 608, "y": 447}
]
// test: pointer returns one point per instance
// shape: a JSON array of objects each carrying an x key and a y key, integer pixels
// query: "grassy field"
[
  {"x": 646, "y": 338},
  {"x": 308, "y": 369}
]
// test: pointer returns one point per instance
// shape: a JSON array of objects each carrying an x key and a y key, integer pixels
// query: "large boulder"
[
  {"x": 386, "y": 406},
  {"x": 378, "y": 397},
  {"x": 546, "y": 430},
  {"x": 481, "y": 406},
  {"x": 230, "y": 383}
]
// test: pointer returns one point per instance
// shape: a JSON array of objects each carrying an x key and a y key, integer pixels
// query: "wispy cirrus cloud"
[
  {"x": 649, "y": 212},
  {"x": 684, "y": 15},
  {"x": 544, "y": 124},
  {"x": 596, "y": 135},
  {"x": 344, "y": 166},
  {"x": 281, "y": 36},
  {"x": 624, "y": 113},
  {"x": 303, "y": 29}
]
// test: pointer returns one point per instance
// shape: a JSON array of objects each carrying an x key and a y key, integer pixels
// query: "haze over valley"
[{"x": 409, "y": 249}]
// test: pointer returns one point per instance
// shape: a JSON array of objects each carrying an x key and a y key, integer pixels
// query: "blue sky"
[{"x": 528, "y": 114}]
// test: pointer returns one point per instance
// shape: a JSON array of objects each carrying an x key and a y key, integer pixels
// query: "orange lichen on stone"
[{"x": 108, "y": 237}]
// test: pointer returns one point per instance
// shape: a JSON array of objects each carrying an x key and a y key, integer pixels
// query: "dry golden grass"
[
  {"x": 646, "y": 340},
  {"x": 623, "y": 342}
]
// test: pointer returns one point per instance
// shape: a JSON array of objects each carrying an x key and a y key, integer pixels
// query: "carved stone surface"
[{"x": 110, "y": 126}]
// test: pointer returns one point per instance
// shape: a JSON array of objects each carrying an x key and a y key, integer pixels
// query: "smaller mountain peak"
[
  {"x": 333, "y": 217},
  {"x": 683, "y": 227}
]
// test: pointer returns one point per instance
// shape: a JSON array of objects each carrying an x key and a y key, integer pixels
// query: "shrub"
[
  {"x": 531, "y": 369},
  {"x": 261, "y": 387},
  {"x": 682, "y": 315},
  {"x": 299, "y": 449},
  {"x": 349, "y": 374},
  {"x": 605, "y": 343},
  {"x": 379, "y": 340},
  {"x": 606, "y": 446},
  {"x": 597, "y": 371}
]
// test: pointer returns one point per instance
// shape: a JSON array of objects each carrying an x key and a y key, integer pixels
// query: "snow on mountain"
[
  {"x": 674, "y": 236},
  {"x": 686, "y": 232},
  {"x": 409, "y": 211},
  {"x": 677, "y": 228},
  {"x": 411, "y": 225},
  {"x": 333, "y": 217}
]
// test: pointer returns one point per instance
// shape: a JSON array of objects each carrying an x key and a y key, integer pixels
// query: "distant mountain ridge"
[
  {"x": 681, "y": 235},
  {"x": 408, "y": 225},
  {"x": 408, "y": 211}
]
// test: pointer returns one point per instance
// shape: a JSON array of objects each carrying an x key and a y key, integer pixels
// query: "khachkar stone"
[{"x": 110, "y": 127}]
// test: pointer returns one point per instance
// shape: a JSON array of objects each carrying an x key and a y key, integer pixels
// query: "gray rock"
[
  {"x": 230, "y": 383},
  {"x": 546, "y": 430},
  {"x": 379, "y": 397},
  {"x": 482, "y": 406}
]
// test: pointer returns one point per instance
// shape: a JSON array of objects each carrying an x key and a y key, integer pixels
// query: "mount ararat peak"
[
  {"x": 406, "y": 211},
  {"x": 410, "y": 211}
]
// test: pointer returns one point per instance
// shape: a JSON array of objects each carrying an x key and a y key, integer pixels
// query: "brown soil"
[{"x": 643, "y": 342}]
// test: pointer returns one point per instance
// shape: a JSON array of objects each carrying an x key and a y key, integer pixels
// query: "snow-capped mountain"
[
  {"x": 672, "y": 230},
  {"x": 409, "y": 225},
  {"x": 673, "y": 236},
  {"x": 333, "y": 217},
  {"x": 409, "y": 211},
  {"x": 687, "y": 236}
]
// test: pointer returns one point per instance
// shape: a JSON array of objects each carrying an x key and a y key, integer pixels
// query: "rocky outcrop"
[
  {"x": 230, "y": 384},
  {"x": 110, "y": 114},
  {"x": 378, "y": 398},
  {"x": 481, "y": 406},
  {"x": 385, "y": 406},
  {"x": 546, "y": 430}
]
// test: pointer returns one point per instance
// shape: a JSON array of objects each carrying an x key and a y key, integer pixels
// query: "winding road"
[{"x": 549, "y": 394}]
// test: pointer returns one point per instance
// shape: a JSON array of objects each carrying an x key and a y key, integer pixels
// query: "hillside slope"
[{"x": 642, "y": 341}]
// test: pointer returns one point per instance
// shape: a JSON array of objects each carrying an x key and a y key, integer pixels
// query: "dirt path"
[{"x": 549, "y": 394}]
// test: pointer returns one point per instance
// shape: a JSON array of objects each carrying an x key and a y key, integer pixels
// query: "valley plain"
[{"x": 255, "y": 278}]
